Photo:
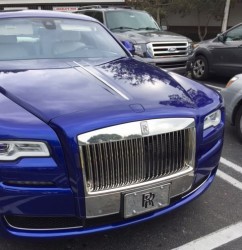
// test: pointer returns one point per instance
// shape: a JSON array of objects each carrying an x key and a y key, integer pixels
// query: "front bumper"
[
  {"x": 79, "y": 230},
  {"x": 60, "y": 204}
]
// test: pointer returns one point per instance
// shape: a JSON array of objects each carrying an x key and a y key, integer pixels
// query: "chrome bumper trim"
[
  {"x": 98, "y": 205},
  {"x": 135, "y": 130}
]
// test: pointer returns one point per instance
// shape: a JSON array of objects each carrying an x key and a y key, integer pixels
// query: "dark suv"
[
  {"x": 221, "y": 55},
  {"x": 156, "y": 46}
]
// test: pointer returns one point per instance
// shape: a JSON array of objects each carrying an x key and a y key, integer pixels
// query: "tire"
[
  {"x": 238, "y": 124},
  {"x": 200, "y": 69}
]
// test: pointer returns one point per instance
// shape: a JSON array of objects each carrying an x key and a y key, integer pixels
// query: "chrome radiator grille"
[
  {"x": 114, "y": 164},
  {"x": 168, "y": 49}
]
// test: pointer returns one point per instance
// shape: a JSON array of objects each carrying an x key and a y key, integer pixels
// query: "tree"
[
  {"x": 210, "y": 9},
  {"x": 155, "y": 7}
]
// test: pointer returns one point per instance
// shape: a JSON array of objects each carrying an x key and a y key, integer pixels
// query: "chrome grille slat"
[
  {"x": 169, "y": 153},
  {"x": 90, "y": 170},
  {"x": 126, "y": 171},
  {"x": 113, "y": 164},
  {"x": 185, "y": 153},
  {"x": 153, "y": 157},
  {"x": 149, "y": 157},
  {"x": 134, "y": 161},
  {"x": 122, "y": 166},
  {"x": 174, "y": 148},
  {"x": 161, "y": 156},
  {"x": 157, "y": 157},
  {"x": 137, "y": 161},
  {"x": 142, "y": 159},
  {"x": 111, "y": 160},
  {"x": 131, "y": 146},
  {"x": 101, "y": 169},
  {"x": 106, "y": 159},
  {"x": 177, "y": 155},
  {"x": 95, "y": 164},
  {"x": 115, "y": 155}
]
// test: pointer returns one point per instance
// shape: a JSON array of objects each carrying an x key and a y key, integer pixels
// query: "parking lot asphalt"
[{"x": 213, "y": 221}]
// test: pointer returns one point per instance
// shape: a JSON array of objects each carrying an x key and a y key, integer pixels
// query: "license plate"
[{"x": 146, "y": 200}]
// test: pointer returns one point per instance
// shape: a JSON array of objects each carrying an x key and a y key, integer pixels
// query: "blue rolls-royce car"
[{"x": 92, "y": 139}]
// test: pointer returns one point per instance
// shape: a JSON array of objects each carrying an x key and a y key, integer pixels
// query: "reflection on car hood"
[
  {"x": 69, "y": 89},
  {"x": 205, "y": 42},
  {"x": 149, "y": 36}
]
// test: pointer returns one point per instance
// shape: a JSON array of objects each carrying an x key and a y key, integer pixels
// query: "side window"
[
  {"x": 235, "y": 34},
  {"x": 95, "y": 14}
]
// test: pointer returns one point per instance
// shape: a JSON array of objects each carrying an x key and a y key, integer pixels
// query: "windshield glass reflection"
[{"x": 50, "y": 38}]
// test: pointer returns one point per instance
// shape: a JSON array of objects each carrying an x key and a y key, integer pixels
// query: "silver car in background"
[{"x": 233, "y": 102}]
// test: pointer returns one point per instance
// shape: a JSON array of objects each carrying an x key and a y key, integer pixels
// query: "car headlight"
[
  {"x": 140, "y": 49},
  {"x": 232, "y": 80},
  {"x": 12, "y": 150},
  {"x": 212, "y": 120},
  {"x": 190, "y": 47}
]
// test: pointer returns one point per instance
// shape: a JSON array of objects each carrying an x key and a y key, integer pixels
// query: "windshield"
[
  {"x": 124, "y": 20},
  {"x": 48, "y": 38}
]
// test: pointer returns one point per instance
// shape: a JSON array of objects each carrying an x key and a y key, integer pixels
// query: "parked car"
[
  {"x": 162, "y": 48},
  {"x": 233, "y": 101},
  {"x": 92, "y": 139},
  {"x": 221, "y": 55}
]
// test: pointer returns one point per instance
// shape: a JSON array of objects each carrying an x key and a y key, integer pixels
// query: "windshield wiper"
[
  {"x": 148, "y": 28},
  {"x": 122, "y": 28}
]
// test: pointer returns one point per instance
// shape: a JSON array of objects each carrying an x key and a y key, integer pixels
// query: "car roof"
[{"x": 44, "y": 13}]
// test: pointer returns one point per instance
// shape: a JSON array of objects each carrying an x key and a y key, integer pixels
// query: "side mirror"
[
  {"x": 221, "y": 38},
  {"x": 164, "y": 27},
  {"x": 129, "y": 46}
]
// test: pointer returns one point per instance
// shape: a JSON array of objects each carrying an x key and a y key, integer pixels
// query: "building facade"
[
  {"x": 186, "y": 25},
  {"x": 60, "y": 5}
]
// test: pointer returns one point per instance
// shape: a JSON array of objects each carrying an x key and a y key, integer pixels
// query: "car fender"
[{"x": 236, "y": 103}]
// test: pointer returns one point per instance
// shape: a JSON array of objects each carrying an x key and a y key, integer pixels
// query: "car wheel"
[
  {"x": 238, "y": 123},
  {"x": 200, "y": 68}
]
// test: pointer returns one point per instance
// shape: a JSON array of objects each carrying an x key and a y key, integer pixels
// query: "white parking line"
[
  {"x": 231, "y": 165},
  {"x": 216, "y": 239},
  {"x": 229, "y": 179},
  {"x": 224, "y": 235}
]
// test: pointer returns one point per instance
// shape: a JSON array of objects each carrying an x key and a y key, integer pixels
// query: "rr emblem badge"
[
  {"x": 148, "y": 200},
  {"x": 144, "y": 128}
]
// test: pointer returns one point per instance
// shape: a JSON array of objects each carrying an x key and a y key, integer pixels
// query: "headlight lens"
[
  {"x": 190, "y": 47},
  {"x": 212, "y": 120},
  {"x": 140, "y": 49},
  {"x": 195, "y": 45},
  {"x": 12, "y": 150},
  {"x": 232, "y": 80}
]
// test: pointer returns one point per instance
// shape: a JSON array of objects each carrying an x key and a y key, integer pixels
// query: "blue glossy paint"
[
  {"x": 140, "y": 219},
  {"x": 55, "y": 100},
  {"x": 66, "y": 90}
]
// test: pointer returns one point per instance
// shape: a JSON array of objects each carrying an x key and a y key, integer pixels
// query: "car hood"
[
  {"x": 150, "y": 36},
  {"x": 118, "y": 87},
  {"x": 205, "y": 42}
]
